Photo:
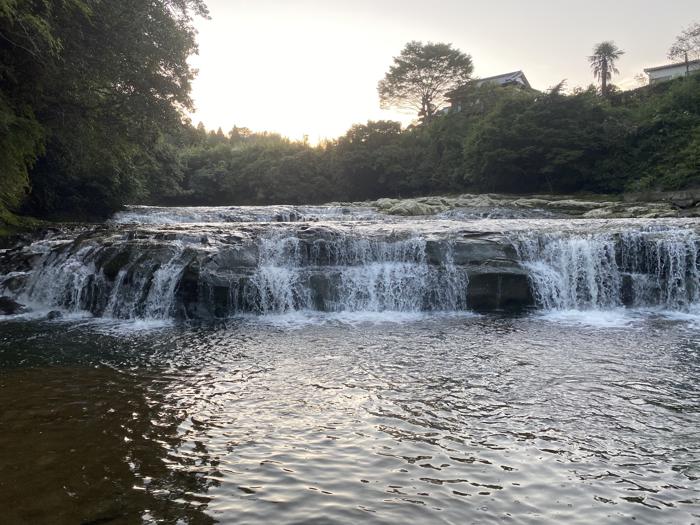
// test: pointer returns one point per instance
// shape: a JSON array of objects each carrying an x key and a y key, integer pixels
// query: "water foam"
[{"x": 603, "y": 271}]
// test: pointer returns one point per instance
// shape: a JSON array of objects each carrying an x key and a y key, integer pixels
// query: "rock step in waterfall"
[{"x": 208, "y": 272}]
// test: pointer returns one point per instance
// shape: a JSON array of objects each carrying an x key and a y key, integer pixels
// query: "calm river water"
[{"x": 315, "y": 418}]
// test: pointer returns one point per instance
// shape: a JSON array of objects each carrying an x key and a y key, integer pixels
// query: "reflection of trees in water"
[{"x": 94, "y": 445}]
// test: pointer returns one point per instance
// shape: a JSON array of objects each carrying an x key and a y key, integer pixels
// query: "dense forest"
[
  {"x": 94, "y": 96},
  {"x": 88, "y": 91},
  {"x": 504, "y": 139}
]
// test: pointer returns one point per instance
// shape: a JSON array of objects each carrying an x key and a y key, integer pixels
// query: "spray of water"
[{"x": 649, "y": 267}]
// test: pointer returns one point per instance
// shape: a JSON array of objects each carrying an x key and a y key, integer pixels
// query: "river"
[{"x": 335, "y": 365}]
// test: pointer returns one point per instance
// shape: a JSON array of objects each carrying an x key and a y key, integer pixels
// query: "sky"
[{"x": 311, "y": 67}]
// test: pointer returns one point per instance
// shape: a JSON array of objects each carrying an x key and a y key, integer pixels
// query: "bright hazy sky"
[{"x": 311, "y": 67}]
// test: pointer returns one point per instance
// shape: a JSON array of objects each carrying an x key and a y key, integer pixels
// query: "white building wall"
[{"x": 667, "y": 73}]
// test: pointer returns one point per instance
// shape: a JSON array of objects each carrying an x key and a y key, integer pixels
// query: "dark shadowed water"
[{"x": 438, "y": 419}]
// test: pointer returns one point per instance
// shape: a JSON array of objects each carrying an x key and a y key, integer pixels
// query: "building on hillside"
[
  {"x": 458, "y": 97},
  {"x": 516, "y": 78},
  {"x": 671, "y": 71}
]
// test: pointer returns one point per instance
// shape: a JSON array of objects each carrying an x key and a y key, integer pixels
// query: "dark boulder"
[
  {"x": 500, "y": 290},
  {"x": 9, "y": 306}
]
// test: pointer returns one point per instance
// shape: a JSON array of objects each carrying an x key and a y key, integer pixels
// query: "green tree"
[
  {"x": 662, "y": 151},
  {"x": 552, "y": 143},
  {"x": 366, "y": 161},
  {"x": 26, "y": 41},
  {"x": 89, "y": 87},
  {"x": 603, "y": 61},
  {"x": 422, "y": 75}
]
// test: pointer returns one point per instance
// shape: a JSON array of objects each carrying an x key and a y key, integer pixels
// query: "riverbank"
[{"x": 12, "y": 225}]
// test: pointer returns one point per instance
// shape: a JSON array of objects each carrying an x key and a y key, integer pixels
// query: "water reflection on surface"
[{"x": 439, "y": 420}]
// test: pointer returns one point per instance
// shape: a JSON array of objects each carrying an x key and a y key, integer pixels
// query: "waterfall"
[
  {"x": 640, "y": 268},
  {"x": 219, "y": 270},
  {"x": 351, "y": 274},
  {"x": 75, "y": 277},
  {"x": 277, "y": 285},
  {"x": 158, "y": 276}
]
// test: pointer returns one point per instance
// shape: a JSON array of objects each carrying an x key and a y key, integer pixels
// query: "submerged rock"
[
  {"x": 530, "y": 203},
  {"x": 476, "y": 201},
  {"x": 469, "y": 206},
  {"x": 575, "y": 206},
  {"x": 385, "y": 204}
]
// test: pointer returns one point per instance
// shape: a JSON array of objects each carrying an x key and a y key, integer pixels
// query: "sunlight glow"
[{"x": 311, "y": 67}]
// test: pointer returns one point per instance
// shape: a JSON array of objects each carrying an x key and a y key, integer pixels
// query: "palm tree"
[{"x": 603, "y": 63}]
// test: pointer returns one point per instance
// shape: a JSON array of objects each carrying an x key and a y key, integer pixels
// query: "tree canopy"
[
  {"x": 603, "y": 61},
  {"x": 687, "y": 44},
  {"x": 93, "y": 96},
  {"x": 422, "y": 75},
  {"x": 504, "y": 139},
  {"x": 87, "y": 89}
]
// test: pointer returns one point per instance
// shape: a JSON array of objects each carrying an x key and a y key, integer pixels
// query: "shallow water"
[{"x": 312, "y": 418}]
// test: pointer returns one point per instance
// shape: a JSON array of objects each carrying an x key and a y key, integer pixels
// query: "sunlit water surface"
[{"x": 301, "y": 419}]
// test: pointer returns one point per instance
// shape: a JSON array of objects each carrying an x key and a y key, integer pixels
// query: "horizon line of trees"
[
  {"x": 93, "y": 97},
  {"x": 504, "y": 139}
]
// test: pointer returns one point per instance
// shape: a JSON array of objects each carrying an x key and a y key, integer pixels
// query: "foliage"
[
  {"x": 93, "y": 95},
  {"x": 663, "y": 151},
  {"x": 503, "y": 139},
  {"x": 603, "y": 61},
  {"x": 245, "y": 168},
  {"x": 422, "y": 75},
  {"x": 687, "y": 44},
  {"x": 87, "y": 88},
  {"x": 552, "y": 143}
]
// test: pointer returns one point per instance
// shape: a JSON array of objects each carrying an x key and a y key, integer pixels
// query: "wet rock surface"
[
  {"x": 650, "y": 205},
  {"x": 355, "y": 261},
  {"x": 9, "y": 306}
]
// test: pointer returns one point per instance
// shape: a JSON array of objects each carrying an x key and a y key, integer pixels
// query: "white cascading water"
[
  {"x": 363, "y": 275},
  {"x": 277, "y": 280},
  {"x": 62, "y": 278},
  {"x": 215, "y": 272},
  {"x": 71, "y": 280},
  {"x": 605, "y": 270}
]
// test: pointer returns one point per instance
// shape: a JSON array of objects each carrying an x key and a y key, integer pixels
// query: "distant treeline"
[
  {"x": 504, "y": 139},
  {"x": 93, "y": 95}
]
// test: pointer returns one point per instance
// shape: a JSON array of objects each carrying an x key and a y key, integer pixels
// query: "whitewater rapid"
[{"x": 215, "y": 263}]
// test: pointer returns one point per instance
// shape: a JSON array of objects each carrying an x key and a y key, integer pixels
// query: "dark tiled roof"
[{"x": 505, "y": 78}]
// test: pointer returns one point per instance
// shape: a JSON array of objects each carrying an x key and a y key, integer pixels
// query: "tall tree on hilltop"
[
  {"x": 603, "y": 61},
  {"x": 687, "y": 46},
  {"x": 422, "y": 75}
]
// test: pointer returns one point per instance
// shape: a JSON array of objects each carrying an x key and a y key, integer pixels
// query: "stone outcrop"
[
  {"x": 9, "y": 306},
  {"x": 649, "y": 205},
  {"x": 504, "y": 289}
]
